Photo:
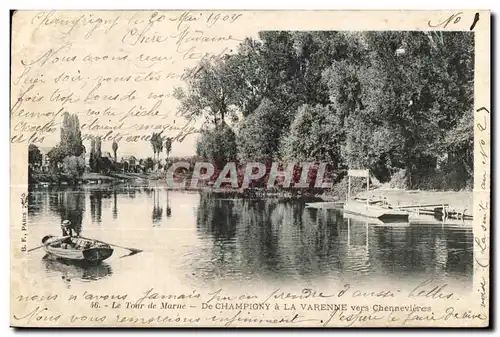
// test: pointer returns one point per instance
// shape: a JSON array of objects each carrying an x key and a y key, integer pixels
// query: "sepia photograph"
[{"x": 201, "y": 169}]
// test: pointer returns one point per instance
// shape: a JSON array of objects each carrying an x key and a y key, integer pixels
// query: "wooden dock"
[
  {"x": 440, "y": 210},
  {"x": 383, "y": 210}
]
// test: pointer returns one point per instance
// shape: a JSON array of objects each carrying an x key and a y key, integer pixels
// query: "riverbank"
[
  {"x": 460, "y": 200},
  {"x": 112, "y": 177},
  {"x": 47, "y": 178}
]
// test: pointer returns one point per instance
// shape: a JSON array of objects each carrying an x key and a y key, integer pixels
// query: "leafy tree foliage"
[
  {"x": 66, "y": 156},
  {"x": 315, "y": 135},
  {"x": 71, "y": 136},
  {"x": 93, "y": 157},
  {"x": 217, "y": 145},
  {"x": 386, "y": 101},
  {"x": 149, "y": 163},
  {"x": 258, "y": 133},
  {"x": 210, "y": 92},
  {"x": 168, "y": 146},
  {"x": 74, "y": 167},
  {"x": 157, "y": 145},
  {"x": 34, "y": 155},
  {"x": 115, "y": 148},
  {"x": 96, "y": 161}
]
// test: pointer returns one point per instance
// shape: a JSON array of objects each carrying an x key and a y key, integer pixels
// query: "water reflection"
[
  {"x": 157, "y": 213},
  {"x": 234, "y": 239},
  {"x": 70, "y": 206},
  {"x": 213, "y": 218},
  {"x": 169, "y": 209},
  {"x": 76, "y": 271},
  {"x": 115, "y": 206},
  {"x": 357, "y": 253},
  {"x": 96, "y": 206},
  {"x": 283, "y": 239}
]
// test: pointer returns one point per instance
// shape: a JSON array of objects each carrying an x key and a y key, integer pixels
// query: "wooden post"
[
  {"x": 367, "y": 189},
  {"x": 348, "y": 232},
  {"x": 349, "y": 189},
  {"x": 367, "y": 229}
]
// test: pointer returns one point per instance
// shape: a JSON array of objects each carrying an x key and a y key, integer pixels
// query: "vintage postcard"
[{"x": 250, "y": 168}]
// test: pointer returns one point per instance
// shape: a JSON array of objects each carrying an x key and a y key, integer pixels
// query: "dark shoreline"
[{"x": 459, "y": 199}]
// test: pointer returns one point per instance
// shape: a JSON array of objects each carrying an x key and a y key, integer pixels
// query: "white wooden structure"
[
  {"x": 358, "y": 173},
  {"x": 369, "y": 209}
]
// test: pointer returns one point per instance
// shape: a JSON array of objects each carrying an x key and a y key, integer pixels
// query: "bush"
[
  {"x": 399, "y": 180},
  {"x": 259, "y": 134},
  {"x": 315, "y": 134},
  {"x": 74, "y": 167},
  {"x": 217, "y": 145}
]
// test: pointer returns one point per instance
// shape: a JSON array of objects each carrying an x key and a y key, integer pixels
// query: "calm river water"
[{"x": 196, "y": 239}]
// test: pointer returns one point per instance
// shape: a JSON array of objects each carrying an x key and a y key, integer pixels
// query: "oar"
[
  {"x": 43, "y": 244},
  {"x": 133, "y": 250},
  {"x": 32, "y": 249}
]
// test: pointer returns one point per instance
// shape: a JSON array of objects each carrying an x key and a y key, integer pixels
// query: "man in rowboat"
[{"x": 67, "y": 228}]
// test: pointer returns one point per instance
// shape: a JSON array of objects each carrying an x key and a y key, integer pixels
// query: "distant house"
[{"x": 130, "y": 164}]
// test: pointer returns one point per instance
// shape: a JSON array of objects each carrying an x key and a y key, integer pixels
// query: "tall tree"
[
  {"x": 70, "y": 144},
  {"x": 98, "y": 164},
  {"x": 115, "y": 148},
  {"x": 34, "y": 155},
  {"x": 92, "y": 157},
  {"x": 154, "y": 145},
  {"x": 168, "y": 146},
  {"x": 210, "y": 93},
  {"x": 157, "y": 145},
  {"x": 71, "y": 139}
]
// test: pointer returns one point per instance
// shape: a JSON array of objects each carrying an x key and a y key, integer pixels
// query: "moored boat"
[
  {"x": 77, "y": 248},
  {"x": 376, "y": 209}
]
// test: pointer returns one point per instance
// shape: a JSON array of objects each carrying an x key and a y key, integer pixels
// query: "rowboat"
[
  {"x": 375, "y": 209},
  {"x": 77, "y": 248}
]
